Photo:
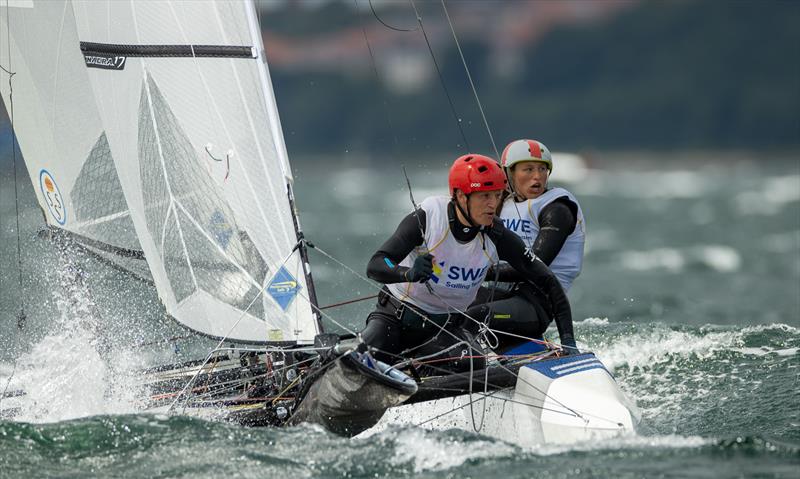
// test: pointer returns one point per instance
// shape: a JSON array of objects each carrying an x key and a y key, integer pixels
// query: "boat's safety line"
[{"x": 159, "y": 51}]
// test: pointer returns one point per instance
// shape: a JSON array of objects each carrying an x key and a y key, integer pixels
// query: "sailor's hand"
[
  {"x": 422, "y": 269},
  {"x": 568, "y": 346}
]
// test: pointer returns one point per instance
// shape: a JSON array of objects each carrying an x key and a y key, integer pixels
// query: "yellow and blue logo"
[
  {"x": 437, "y": 271},
  {"x": 283, "y": 288}
]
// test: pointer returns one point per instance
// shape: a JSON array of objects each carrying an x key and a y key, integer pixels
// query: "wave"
[
  {"x": 146, "y": 446},
  {"x": 719, "y": 258}
]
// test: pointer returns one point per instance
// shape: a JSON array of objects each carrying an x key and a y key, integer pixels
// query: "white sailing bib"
[
  {"x": 523, "y": 219},
  {"x": 458, "y": 268}
]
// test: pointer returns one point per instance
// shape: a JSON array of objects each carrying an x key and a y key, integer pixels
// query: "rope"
[
  {"x": 350, "y": 301},
  {"x": 21, "y": 317},
  {"x": 372, "y": 7},
  {"x": 225, "y": 337},
  {"x": 441, "y": 78},
  {"x": 442, "y": 329},
  {"x": 471, "y": 83}
]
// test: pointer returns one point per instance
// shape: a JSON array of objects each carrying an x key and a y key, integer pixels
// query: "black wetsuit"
[
  {"x": 395, "y": 336},
  {"x": 522, "y": 310}
]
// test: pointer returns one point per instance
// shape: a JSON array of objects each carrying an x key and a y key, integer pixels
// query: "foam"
[
  {"x": 594, "y": 322},
  {"x": 627, "y": 442},
  {"x": 439, "y": 451},
  {"x": 65, "y": 376}
]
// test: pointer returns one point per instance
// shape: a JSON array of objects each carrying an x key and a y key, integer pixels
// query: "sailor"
[
  {"x": 435, "y": 262},
  {"x": 550, "y": 223}
]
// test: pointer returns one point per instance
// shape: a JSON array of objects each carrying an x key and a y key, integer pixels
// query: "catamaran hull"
[
  {"x": 353, "y": 395},
  {"x": 554, "y": 401}
]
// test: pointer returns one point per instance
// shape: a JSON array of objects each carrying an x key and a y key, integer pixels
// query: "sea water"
[{"x": 690, "y": 295}]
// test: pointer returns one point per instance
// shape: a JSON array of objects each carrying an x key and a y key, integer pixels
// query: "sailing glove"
[
  {"x": 422, "y": 269},
  {"x": 568, "y": 346}
]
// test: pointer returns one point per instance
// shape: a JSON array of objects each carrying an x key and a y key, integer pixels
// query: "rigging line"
[
  {"x": 326, "y": 315},
  {"x": 471, "y": 83},
  {"x": 441, "y": 329},
  {"x": 413, "y": 308},
  {"x": 441, "y": 78},
  {"x": 21, "y": 317},
  {"x": 349, "y": 301},
  {"x": 377, "y": 75},
  {"x": 224, "y": 338},
  {"x": 397, "y": 29},
  {"x": 492, "y": 395},
  {"x": 485, "y": 391},
  {"x": 480, "y": 108}
]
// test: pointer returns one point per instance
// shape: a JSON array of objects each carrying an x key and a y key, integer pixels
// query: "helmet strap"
[{"x": 465, "y": 214}]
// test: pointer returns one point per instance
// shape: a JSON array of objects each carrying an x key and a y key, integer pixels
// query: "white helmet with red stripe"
[{"x": 526, "y": 150}]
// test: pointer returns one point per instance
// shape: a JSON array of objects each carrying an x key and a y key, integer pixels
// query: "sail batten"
[{"x": 162, "y": 51}]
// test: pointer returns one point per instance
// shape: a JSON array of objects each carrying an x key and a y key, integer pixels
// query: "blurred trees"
[{"x": 661, "y": 75}]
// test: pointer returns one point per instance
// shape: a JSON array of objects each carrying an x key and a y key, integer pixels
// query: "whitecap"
[
  {"x": 436, "y": 451},
  {"x": 594, "y": 321},
  {"x": 723, "y": 259},
  {"x": 632, "y": 441},
  {"x": 669, "y": 259}
]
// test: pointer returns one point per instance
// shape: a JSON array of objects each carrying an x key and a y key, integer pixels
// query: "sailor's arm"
[
  {"x": 556, "y": 221},
  {"x": 510, "y": 248},
  {"x": 384, "y": 266}
]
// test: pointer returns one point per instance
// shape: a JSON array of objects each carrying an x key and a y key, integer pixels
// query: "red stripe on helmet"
[{"x": 534, "y": 149}]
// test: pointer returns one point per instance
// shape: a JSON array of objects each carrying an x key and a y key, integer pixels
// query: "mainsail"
[
  {"x": 59, "y": 129},
  {"x": 163, "y": 140}
]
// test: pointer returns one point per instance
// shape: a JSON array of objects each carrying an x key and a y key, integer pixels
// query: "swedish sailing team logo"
[
  {"x": 459, "y": 277},
  {"x": 283, "y": 288},
  {"x": 52, "y": 197}
]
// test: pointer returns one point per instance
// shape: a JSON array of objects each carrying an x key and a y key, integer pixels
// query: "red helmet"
[{"x": 471, "y": 173}]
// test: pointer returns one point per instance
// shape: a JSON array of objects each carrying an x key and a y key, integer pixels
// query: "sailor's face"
[
  {"x": 483, "y": 206},
  {"x": 530, "y": 178}
]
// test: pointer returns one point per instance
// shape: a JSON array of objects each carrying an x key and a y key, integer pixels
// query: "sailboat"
[{"x": 151, "y": 135}]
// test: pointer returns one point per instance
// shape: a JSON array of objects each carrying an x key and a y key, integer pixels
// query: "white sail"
[
  {"x": 161, "y": 154},
  {"x": 60, "y": 131}
]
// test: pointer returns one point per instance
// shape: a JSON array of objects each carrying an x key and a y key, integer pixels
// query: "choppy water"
[{"x": 690, "y": 295}]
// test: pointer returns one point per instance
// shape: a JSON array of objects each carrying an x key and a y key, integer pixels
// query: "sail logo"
[
  {"x": 283, "y": 288},
  {"x": 52, "y": 197},
  {"x": 106, "y": 62},
  {"x": 220, "y": 228}
]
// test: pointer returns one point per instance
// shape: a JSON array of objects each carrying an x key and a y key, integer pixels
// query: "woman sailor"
[
  {"x": 435, "y": 262},
  {"x": 550, "y": 223}
]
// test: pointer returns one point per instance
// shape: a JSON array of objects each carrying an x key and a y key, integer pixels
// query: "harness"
[{"x": 411, "y": 316}]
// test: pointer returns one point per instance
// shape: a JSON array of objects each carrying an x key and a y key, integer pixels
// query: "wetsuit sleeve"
[
  {"x": 384, "y": 266},
  {"x": 556, "y": 221},
  {"x": 510, "y": 248}
]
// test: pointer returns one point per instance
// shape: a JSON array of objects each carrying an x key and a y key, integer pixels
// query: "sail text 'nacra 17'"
[{"x": 152, "y": 138}]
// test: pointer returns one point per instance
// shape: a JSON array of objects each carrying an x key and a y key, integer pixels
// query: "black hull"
[{"x": 351, "y": 397}]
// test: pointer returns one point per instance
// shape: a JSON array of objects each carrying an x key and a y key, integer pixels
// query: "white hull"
[{"x": 555, "y": 401}]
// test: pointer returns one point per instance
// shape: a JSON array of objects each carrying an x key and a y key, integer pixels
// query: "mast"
[{"x": 280, "y": 145}]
